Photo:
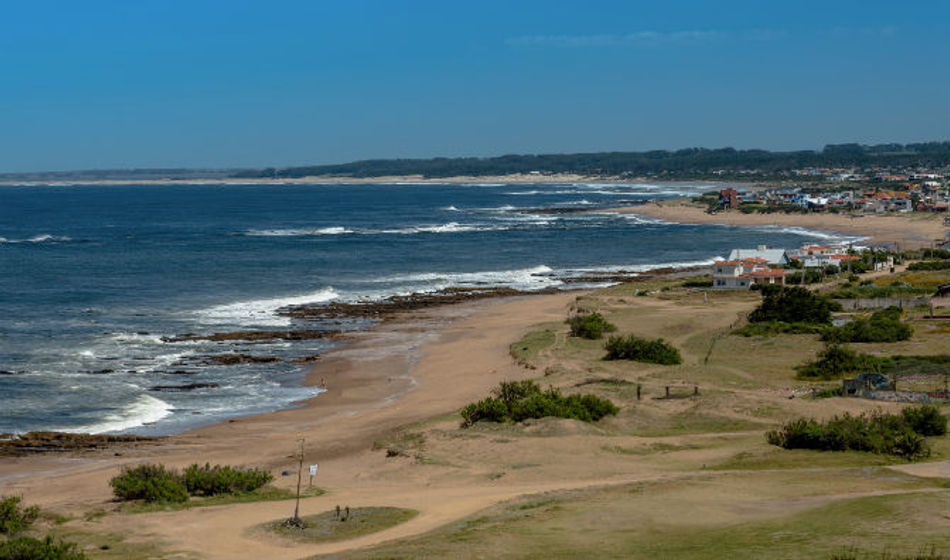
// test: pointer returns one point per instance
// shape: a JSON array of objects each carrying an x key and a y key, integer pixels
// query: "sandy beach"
[{"x": 909, "y": 231}]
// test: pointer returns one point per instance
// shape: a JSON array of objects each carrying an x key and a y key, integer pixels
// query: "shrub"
[
  {"x": 926, "y": 420},
  {"x": 837, "y": 361},
  {"x": 211, "y": 481},
  {"x": 632, "y": 347},
  {"x": 883, "y": 326},
  {"x": 929, "y": 265},
  {"x": 889, "y": 434},
  {"x": 793, "y": 305},
  {"x": 591, "y": 326},
  {"x": 28, "y": 548},
  {"x": 519, "y": 401},
  {"x": 13, "y": 518},
  {"x": 152, "y": 483}
]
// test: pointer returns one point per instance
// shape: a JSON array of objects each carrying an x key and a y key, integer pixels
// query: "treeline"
[{"x": 684, "y": 162}]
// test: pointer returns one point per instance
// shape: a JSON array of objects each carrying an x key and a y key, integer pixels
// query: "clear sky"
[{"x": 150, "y": 83}]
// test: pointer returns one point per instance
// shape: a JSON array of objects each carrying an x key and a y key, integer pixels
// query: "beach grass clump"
[
  {"x": 521, "y": 400},
  {"x": 882, "y": 326},
  {"x": 793, "y": 305},
  {"x": 29, "y": 548},
  {"x": 632, "y": 347},
  {"x": 773, "y": 328},
  {"x": 591, "y": 326},
  {"x": 929, "y": 265},
  {"x": 837, "y": 361},
  {"x": 154, "y": 483},
  {"x": 877, "y": 432},
  {"x": 212, "y": 481},
  {"x": 15, "y": 518},
  {"x": 338, "y": 525}
]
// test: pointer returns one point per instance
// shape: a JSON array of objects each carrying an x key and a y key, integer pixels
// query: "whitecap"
[
  {"x": 298, "y": 232},
  {"x": 261, "y": 312},
  {"x": 534, "y": 278}
]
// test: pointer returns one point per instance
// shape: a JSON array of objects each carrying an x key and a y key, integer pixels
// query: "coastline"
[
  {"x": 518, "y": 178},
  {"x": 408, "y": 369},
  {"x": 912, "y": 231}
]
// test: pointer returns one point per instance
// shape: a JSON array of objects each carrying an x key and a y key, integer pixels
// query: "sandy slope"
[{"x": 909, "y": 231}]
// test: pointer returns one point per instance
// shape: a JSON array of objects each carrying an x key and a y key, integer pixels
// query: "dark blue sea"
[{"x": 93, "y": 277}]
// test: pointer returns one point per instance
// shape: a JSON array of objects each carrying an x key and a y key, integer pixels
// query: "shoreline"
[
  {"x": 519, "y": 178},
  {"x": 912, "y": 231},
  {"x": 376, "y": 383}
]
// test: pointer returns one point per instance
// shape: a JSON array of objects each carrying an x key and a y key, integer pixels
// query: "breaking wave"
[
  {"x": 261, "y": 312},
  {"x": 42, "y": 238},
  {"x": 143, "y": 411}
]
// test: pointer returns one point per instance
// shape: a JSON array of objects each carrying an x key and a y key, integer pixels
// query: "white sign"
[{"x": 313, "y": 470}]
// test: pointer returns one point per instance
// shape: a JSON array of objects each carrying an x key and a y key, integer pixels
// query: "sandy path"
[{"x": 909, "y": 231}]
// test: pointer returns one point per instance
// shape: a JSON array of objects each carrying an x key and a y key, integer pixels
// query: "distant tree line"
[{"x": 684, "y": 162}]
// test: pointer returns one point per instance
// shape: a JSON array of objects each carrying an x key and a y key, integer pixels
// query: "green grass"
[
  {"x": 326, "y": 527},
  {"x": 526, "y": 350},
  {"x": 618, "y": 522},
  {"x": 266, "y": 494}
]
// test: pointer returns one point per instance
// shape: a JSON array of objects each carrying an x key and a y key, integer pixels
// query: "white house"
[{"x": 742, "y": 274}]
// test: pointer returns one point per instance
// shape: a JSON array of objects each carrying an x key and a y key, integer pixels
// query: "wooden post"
[
  {"x": 695, "y": 389},
  {"x": 639, "y": 387},
  {"x": 667, "y": 391}
]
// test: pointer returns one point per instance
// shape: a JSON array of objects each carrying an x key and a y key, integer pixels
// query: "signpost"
[{"x": 313, "y": 473}]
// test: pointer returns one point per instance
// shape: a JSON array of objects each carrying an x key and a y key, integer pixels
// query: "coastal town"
[{"x": 860, "y": 191}]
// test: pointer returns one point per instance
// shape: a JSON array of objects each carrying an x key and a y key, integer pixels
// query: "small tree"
[{"x": 793, "y": 305}]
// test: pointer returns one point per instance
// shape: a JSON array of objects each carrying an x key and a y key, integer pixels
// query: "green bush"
[
  {"x": 211, "y": 481},
  {"x": 519, "y": 401},
  {"x": 13, "y": 518},
  {"x": 489, "y": 410},
  {"x": 926, "y": 420},
  {"x": 793, "y": 305},
  {"x": 591, "y": 326},
  {"x": 28, "y": 548},
  {"x": 149, "y": 482},
  {"x": 883, "y": 326},
  {"x": 889, "y": 434},
  {"x": 836, "y": 361},
  {"x": 632, "y": 347}
]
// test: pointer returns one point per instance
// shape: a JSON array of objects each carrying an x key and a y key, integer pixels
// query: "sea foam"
[{"x": 146, "y": 409}]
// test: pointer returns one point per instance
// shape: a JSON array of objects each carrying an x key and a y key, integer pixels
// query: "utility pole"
[{"x": 295, "y": 520}]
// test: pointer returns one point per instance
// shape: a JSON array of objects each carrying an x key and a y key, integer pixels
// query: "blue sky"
[{"x": 99, "y": 84}]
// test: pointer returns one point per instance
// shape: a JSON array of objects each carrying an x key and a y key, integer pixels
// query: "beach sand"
[{"x": 909, "y": 231}]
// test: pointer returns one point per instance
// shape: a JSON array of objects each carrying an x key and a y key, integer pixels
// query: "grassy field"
[{"x": 712, "y": 487}]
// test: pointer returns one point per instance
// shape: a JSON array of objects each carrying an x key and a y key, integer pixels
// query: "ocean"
[{"x": 92, "y": 278}]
